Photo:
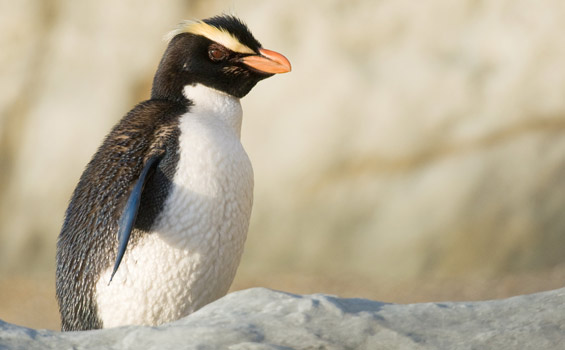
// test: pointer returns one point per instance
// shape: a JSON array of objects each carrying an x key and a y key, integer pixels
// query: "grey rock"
[{"x": 266, "y": 319}]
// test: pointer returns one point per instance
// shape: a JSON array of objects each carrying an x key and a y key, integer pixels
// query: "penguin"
[{"x": 155, "y": 227}]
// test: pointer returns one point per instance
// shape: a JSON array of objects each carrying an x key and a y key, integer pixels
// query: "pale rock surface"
[{"x": 265, "y": 319}]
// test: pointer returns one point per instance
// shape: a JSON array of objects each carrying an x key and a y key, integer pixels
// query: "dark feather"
[
  {"x": 87, "y": 243},
  {"x": 130, "y": 211}
]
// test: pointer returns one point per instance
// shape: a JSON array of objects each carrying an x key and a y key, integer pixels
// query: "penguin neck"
[{"x": 216, "y": 104}]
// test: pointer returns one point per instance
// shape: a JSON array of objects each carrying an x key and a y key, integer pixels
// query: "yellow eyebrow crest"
[{"x": 219, "y": 35}]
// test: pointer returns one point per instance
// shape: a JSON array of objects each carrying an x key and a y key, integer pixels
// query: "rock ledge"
[{"x": 265, "y": 319}]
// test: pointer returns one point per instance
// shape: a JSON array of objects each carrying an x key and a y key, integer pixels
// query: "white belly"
[{"x": 192, "y": 256}]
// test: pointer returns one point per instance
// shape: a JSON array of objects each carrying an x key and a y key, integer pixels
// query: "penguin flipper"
[{"x": 130, "y": 211}]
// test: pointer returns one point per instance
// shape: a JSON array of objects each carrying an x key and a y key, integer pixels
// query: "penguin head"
[{"x": 219, "y": 52}]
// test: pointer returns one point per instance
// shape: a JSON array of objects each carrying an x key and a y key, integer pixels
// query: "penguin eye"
[{"x": 217, "y": 54}]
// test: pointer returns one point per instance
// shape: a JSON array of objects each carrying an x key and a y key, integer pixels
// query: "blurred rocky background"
[{"x": 416, "y": 152}]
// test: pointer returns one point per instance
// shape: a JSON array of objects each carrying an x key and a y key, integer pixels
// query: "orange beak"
[{"x": 268, "y": 61}]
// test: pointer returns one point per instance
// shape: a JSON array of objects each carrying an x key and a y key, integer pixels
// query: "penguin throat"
[{"x": 215, "y": 104}]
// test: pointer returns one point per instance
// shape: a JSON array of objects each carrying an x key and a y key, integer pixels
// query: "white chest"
[{"x": 191, "y": 257}]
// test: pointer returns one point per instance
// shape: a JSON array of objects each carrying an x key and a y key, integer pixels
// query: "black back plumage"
[{"x": 87, "y": 243}]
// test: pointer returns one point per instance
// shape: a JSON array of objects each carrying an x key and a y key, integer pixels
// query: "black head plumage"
[
  {"x": 237, "y": 28},
  {"x": 213, "y": 52}
]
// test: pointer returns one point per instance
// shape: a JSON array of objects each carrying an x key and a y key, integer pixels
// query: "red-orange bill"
[{"x": 268, "y": 61}]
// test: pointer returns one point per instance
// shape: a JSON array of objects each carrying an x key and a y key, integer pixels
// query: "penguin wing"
[{"x": 130, "y": 210}]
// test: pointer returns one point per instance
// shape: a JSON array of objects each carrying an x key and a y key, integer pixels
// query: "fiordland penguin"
[{"x": 156, "y": 225}]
